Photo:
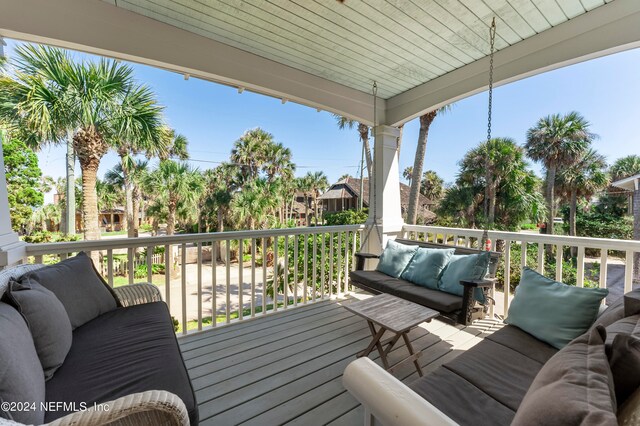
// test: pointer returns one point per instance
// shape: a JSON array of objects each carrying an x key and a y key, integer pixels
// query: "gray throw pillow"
[
  {"x": 78, "y": 286},
  {"x": 575, "y": 387},
  {"x": 47, "y": 320},
  {"x": 624, "y": 359},
  {"x": 21, "y": 377}
]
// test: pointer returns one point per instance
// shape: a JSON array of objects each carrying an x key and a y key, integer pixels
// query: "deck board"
[{"x": 286, "y": 368}]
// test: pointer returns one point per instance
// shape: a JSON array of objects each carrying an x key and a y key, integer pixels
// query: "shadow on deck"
[{"x": 286, "y": 368}]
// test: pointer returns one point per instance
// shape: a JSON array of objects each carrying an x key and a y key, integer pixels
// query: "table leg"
[
  {"x": 407, "y": 342},
  {"x": 377, "y": 335}
]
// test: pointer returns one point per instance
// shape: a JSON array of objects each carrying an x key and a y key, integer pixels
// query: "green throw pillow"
[
  {"x": 465, "y": 267},
  {"x": 426, "y": 266},
  {"x": 553, "y": 312},
  {"x": 395, "y": 258}
]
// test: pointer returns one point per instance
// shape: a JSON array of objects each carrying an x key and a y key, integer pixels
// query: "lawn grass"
[
  {"x": 119, "y": 281},
  {"x": 112, "y": 233}
]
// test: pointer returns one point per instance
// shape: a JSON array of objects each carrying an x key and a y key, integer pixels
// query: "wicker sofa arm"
[
  {"x": 387, "y": 400},
  {"x": 145, "y": 408},
  {"x": 361, "y": 257},
  {"x": 137, "y": 294}
]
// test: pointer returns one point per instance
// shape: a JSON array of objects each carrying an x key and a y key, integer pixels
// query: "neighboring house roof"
[
  {"x": 630, "y": 184},
  {"x": 350, "y": 188}
]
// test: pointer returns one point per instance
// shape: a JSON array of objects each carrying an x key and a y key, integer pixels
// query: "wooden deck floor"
[{"x": 286, "y": 368}]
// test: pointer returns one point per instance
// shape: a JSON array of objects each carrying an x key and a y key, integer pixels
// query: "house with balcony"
[{"x": 268, "y": 339}]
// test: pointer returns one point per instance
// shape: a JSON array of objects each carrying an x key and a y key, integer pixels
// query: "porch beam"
[
  {"x": 101, "y": 28},
  {"x": 607, "y": 29}
]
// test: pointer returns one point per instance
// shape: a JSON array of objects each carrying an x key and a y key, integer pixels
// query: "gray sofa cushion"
[
  {"x": 524, "y": 343},
  {"x": 15, "y": 272},
  {"x": 575, "y": 387},
  {"x": 460, "y": 400},
  {"x": 47, "y": 320},
  {"x": 124, "y": 351},
  {"x": 624, "y": 359},
  {"x": 21, "y": 377},
  {"x": 434, "y": 299},
  {"x": 76, "y": 284}
]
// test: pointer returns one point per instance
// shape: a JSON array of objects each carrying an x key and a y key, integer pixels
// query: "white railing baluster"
[
  {"x": 331, "y": 264},
  {"x": 339, "y": 265},
  {"x": 346, "y": 262},
  {"x": 240, "y": 278},
  {"x": 276, "y": 278},
  {"x": 604, "y": 257},
  {"x": 130, "y": 264},
  {"x": 150, "y": 263},
  {"x": 110, "y": 267},
  {"x": 167, "y": 276},
  {"x": 253, "y": 277},
  {"x": 264, "y": 275},
  {"x": 523, "y": 255},
  {"x": 580, "y": 268},
  {"x": 286, "y": 271},
  {"x": 628, "y": 271},
  {"x": 305, "y": 267},
  {"x": 214, "y": 283},
  {"x": 183, "y": 269},
  {"x": 199, "y": 249},
  {"x": 314, "y": 275},
  {"x": 559, "y": 263},
  {"x": 507, "y": 276},
  {"x": 296, "y": 281},
  {"x": 541, "y": 258},
  {"x": 227, "y": 309},
  {"x": 323, "y": 261}
]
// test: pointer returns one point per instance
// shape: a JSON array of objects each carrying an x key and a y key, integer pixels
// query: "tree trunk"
[
  {"x": 363, "y": 129},
  {"x": 220, "y": 229},
  {"x": 306, "y": 210},
  {"x": 70, "y": 193},
  {"x": 493, "y": 188},
  {"x": 573, "y": 207},
  {"x": 550, "y": 200},
  {"x": 418, "y": 164},
  {"x": 171, "y": 228},
  {"x": 136, "y": 211}
]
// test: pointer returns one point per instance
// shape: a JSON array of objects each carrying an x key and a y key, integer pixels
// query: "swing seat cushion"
[
  {"x": 395, "y": 258},
  {"x": 426, "y": 267}
]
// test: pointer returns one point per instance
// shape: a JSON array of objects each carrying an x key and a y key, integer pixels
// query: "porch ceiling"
[
  {"x": 326, "y": 54},
  {"x": 400, "y": 44}
]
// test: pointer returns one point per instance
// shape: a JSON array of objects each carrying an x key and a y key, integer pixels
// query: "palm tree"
[
  {"x": 625, "y": 167},
  {"x": 254, "y": 203},
  {"x": 582, "y": 179},
  {"x": 557, "y": 141},
  {"x": 180, "y": 185},
  {"x": 131, "y": 184},
  {"x": 249, "y": 153},
  {"x": 317, "y": 182},
  {"x": 363, "y": 131},
  {"x": 221, "y": 184},
  {"x": 304, "y": 185},
  {"x": 51, "y": 94},
  {"x": 407, "y": 174},
  {"x": 425, "y": 123},
  {"x": 495, "y": 159},
  {"x": 432, "y": 185}
]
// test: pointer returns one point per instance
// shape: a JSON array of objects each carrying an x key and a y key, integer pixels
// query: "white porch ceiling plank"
[
  {"x": 334, "y": 37},
  {"x": 531, "y": 13},
  {"x": 409, "y": 62},
  {"x": 506, "y": 15},
  {"x": 591, "y": 4},
  {"x": 404, "y": 14},
  {"x": 97, "y": 27},
  {"x": 482, "y": 13},
  {"x": 571, "y": 8},
  {"x": 477, "y": 18},
  {"x": 551, "y": 10},
  {"x": 373, "y": 19},
  {"x": 608, "y": 29},
  {"x": 229, "y": 32}
]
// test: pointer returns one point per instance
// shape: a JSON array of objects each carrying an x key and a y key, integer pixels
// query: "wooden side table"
[{"x": 395, "y": 315}]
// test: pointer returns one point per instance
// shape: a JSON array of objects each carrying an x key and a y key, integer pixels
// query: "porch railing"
[
  {"x": 229, "y": 276},
  {"x": 589, "y": 256}
]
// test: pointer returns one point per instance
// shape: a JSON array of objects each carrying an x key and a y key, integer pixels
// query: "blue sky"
[{"x": 212, "y": 117}]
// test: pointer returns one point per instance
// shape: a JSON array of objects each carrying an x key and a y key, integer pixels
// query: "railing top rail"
[
  {"x": 588, "y": 242},
  {"x": 118, "y": 243}
]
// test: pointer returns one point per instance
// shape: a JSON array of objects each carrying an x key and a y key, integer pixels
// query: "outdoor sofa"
[
  {"x": 81, "y": 353},
  {"x": 462, "y": 308},
  {"x": 512, "y": 377}
]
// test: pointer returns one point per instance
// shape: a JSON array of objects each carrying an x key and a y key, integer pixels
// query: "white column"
[
  {"x": 12, "y": 249},
  {"x": 385, "y": 215}
]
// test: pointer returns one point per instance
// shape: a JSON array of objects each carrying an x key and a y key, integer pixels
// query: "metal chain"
[
  {"x": 372, "y": 197},
  {"x": 492, "y": 39}
]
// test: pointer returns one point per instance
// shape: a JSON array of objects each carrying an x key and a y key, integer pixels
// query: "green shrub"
[
  {"x": 49, "y": 237},
  {"x": 141, "y": 270},
  {"x": 346, "y": 217}
]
